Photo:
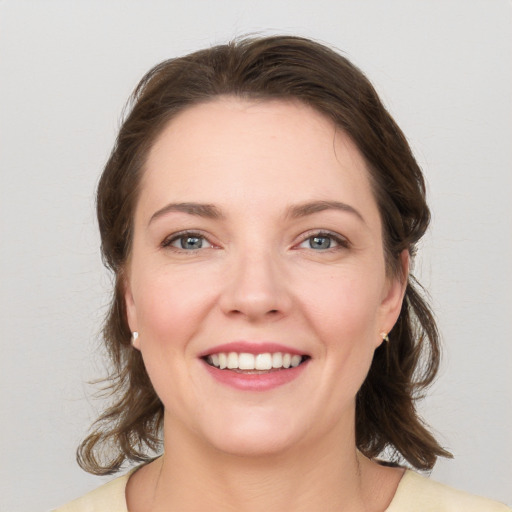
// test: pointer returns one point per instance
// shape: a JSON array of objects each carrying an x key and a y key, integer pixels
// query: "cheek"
[
  {"x": 170, "y": 306},
  {"x": 344, "y": 317},
  {"x": 343, "y": 306}
]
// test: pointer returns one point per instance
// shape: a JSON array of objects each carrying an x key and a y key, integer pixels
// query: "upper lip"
[{"x": 251, "y": 347}]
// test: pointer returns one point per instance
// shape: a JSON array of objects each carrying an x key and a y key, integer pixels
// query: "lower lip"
[{"x": 255, "y": 381}]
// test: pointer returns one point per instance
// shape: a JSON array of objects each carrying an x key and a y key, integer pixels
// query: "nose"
[{"x": 256, "y": 288}]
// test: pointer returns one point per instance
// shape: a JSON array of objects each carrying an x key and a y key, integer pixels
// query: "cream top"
[{"x": 415, "y": 493}]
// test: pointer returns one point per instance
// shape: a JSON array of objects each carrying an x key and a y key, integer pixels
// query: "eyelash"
[
  {"x": 341, "y": 242},
  {"x": 167, "y": 243}
]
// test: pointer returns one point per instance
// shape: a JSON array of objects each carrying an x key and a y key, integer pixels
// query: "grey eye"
[
  {"x": 191, "y": 242},
  {"x": 320, "y": 242},
  {"x": 186, "y": 242},
  {"x": 324, "y": 242}
]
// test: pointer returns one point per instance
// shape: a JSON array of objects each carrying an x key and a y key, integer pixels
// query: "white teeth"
[
  {"x": 277, "y": 360},
  {"x": 232, "y": 360},
  {"x": 246, "y": 361},
  {"x": 263, "y": 362},
  {"x": 295, "y": 360}
]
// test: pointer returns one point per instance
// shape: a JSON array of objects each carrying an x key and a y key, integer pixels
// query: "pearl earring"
[
  {"x": 384, "y": 336},
  {"x": 135, "y": 336}
]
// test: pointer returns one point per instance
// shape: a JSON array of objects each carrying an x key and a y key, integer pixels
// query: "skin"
[{"x": 257, "y": 278}]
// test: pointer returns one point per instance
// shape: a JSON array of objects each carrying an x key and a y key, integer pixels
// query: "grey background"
[{"x": 66, "y": 69}]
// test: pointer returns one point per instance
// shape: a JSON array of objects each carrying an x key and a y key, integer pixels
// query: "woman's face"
[{"x": 257, "y": 245}]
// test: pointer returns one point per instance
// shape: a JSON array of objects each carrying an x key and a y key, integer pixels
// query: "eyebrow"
[
  {"x": 209, "y": 211},
  {"x": 305, "y": 209}
]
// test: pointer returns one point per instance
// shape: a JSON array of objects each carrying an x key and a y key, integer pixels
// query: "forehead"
[{"x": 274, "y": 151}]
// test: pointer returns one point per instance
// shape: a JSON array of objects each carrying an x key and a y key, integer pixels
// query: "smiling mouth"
[{"x": 242, "y": 362}]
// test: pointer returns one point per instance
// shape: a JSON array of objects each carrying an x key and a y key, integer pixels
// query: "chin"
[
  {"x": 255, "y": 436},
  {"x": 243, "y": 446}
]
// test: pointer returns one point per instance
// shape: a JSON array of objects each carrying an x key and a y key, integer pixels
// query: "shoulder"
[
  {"x": 110, "y": 496},
  {"x": 417, "y": 493}
]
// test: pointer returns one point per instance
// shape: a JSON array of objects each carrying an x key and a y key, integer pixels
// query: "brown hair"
[{"x": 289, "y": 68}]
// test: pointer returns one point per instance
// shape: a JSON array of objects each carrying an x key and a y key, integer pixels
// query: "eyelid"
[
  {"x": 341, "y": 241},
  {"x": 168, "y": 240}
]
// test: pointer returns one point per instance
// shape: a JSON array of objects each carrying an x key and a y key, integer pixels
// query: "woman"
[{"x": 260, "y": 211}]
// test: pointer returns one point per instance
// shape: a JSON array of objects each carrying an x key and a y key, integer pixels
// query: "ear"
[
  {"x": 393, "y": 298},
  {"x": 131, "y": 310}
]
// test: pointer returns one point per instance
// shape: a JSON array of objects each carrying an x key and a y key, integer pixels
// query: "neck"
[{"x": 326, "y": 475}]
